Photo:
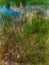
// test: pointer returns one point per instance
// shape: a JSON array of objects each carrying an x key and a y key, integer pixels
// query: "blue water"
[{"x": 5, "y": 11}]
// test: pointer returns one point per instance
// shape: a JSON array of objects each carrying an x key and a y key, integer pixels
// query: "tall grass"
[{"x": 29, "y": 46}]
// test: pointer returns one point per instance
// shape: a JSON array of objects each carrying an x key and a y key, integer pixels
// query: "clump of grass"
[{"x": 30, "y": 45}]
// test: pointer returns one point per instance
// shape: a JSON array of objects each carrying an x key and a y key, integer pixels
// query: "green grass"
[{"x": 30, "y": 45}]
